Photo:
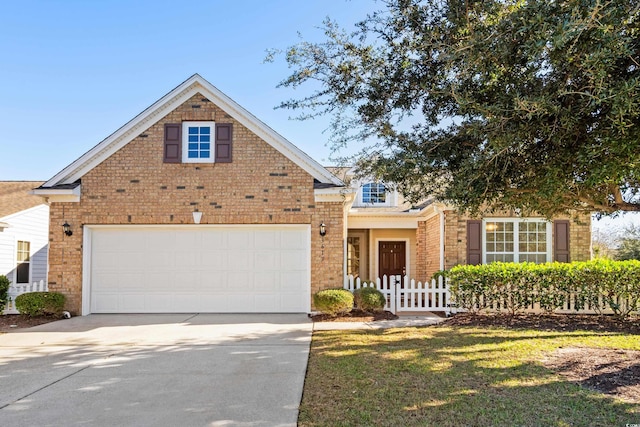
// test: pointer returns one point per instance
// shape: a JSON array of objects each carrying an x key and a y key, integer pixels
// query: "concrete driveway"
[{"x": 156, "y": 370}]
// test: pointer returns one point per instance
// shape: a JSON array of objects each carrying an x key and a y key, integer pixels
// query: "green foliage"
[
  {"x": 40, "y": 303},
  {"x": 629, "y": 247},
  {"x": 369, "y": 299},
  {"x": 528, "y": 104},
  {"x": 333, "y": 301},
  {"x": 4, "y": 289},
  {"x": 595, "y": 285}
]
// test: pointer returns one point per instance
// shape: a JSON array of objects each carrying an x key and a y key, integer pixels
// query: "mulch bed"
[
  {"x": 355, "y": 316},
  {"x": 13, "y": 322},
  {"x": 548, "y": 322},
  {"x": 613, "y": 372}
]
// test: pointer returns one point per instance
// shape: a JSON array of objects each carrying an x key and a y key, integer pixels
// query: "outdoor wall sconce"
[
  {"x": 197, "y": 216},
  {"x": 323, "y": 229},
  {"x": 67, "y": 229}
]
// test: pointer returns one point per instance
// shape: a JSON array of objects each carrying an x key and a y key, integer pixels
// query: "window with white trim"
[
  {"x": 374, "y": 193},
  {"x": 517, "y": 240},
  {"x": 197, "y": 142}
]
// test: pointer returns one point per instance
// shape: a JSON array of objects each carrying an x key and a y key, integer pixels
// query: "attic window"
[
  {"x": 196, "y": 142},
  {"x": 374, "y": 193}
]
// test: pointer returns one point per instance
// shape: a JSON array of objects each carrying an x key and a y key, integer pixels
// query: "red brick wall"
[
  {"x": 456, "y": 238},
  {"x": 134, "y": 186}
]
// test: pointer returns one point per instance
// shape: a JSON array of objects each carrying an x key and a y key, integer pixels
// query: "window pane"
[
  {"x": 508, "y": 226},
  {"x": 205, "y": 130},
  {"x": 204, "y": 154},
  {"x": 205, "y": 138},
  {"x": 193, "y": 154},
  {"x": 193, "y": 130},
  {"x": 22, "y": 273}
]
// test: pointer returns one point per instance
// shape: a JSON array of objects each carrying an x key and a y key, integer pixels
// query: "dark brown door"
[{"x": 392, "y": 259}]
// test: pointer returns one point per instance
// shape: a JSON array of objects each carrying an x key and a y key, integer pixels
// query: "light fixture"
[
  {"x": 323, "y": 229},
  {"x": 197, "y": 216},
  {"x": 67, "y": 229}
]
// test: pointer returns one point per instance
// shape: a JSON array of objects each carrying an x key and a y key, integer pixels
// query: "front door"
[{"x": 392, "y": 260}]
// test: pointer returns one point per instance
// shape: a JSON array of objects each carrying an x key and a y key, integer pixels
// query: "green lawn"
[{"x": 445, "y": 376}]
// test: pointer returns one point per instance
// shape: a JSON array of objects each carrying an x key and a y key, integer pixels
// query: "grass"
[{"x": 444, "y": 376}]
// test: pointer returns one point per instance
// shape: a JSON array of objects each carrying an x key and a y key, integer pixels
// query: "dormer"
[{"x": 374, "y": 194}]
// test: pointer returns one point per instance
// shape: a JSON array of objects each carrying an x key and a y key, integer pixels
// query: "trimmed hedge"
[
  {"x": 4, "y": 291},
  {"x": 597, "y": 285},
  {"x": 369, "y": 299},
  {"x": 333, "y": 301},
  {"x": 40, "y": 303}
]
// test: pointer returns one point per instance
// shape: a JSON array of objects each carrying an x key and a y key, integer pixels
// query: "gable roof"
[
  {"x": 15, "y": 196},
  {"x": 153, "y": 114}
]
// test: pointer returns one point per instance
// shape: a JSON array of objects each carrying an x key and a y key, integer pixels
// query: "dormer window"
[{"x": 374, "y": 193}]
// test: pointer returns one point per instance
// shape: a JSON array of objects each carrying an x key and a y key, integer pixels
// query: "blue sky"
[{"x": 72, "y": 72}]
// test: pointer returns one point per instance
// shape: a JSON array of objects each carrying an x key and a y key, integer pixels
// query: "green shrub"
[
  {"x": 369, "y": 299},
  {"x": 333, "y": 301},
  {"x": 4, "y": 290},
  {"x": 40, "y": 303},
  {"x": 596, "y": 285}
]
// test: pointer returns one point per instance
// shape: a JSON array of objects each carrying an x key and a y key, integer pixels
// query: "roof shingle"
[{"x": 15, "y": 197}]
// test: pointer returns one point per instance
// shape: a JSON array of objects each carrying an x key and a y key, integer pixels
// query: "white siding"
[{"x": 30, "y": 225}]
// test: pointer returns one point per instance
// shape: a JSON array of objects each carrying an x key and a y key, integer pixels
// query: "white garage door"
[{"x": 214, "y": 269}]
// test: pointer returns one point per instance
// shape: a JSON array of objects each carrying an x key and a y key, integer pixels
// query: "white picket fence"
[
  {"x": 15, "y": 290},
  {"x": 408, "y": 295}
]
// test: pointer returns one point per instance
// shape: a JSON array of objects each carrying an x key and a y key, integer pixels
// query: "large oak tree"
[{"x": 528, "y": 104}]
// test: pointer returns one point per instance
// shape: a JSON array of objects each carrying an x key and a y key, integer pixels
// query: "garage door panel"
[
  {"x": 240, "y": 260},
  {"x": 199, "y": 269},
  {"x": 291, "y": 239},
  {"x": 215, "y": 260},
  {"x": 267, "y": 239},
  {"x": 214, "y": 241},
  {"x": 290, "y": 281},
  {"x": 266, "y": 281},
  {"x": 292, "y": 260},
  {"x": 267, "y": 260},
  {"x": 240, "y": 239}
]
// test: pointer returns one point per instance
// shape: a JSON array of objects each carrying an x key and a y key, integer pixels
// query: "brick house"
[
  {"x": 195, "y": 205},
  {"x": 387, "y": 236}
]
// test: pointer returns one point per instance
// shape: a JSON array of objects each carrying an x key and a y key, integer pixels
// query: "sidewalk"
[{"x": 402, "y": 322}]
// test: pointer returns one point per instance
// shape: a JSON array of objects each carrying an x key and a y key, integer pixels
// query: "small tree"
[{"x": 629, "y": 247}]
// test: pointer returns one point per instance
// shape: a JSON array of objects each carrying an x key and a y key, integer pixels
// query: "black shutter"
[
  {"x": 172, "y": 143},
  {"x": 474, "y": 242},
  {"x": 561, "y": 241},
  {"x": 224, "y": 138}
]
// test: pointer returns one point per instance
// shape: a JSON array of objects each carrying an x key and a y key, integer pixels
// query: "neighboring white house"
[{"x": 24, "y": 233}]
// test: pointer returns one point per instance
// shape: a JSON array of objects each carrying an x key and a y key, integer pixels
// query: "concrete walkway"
[{"x": 156, "y": 370}]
